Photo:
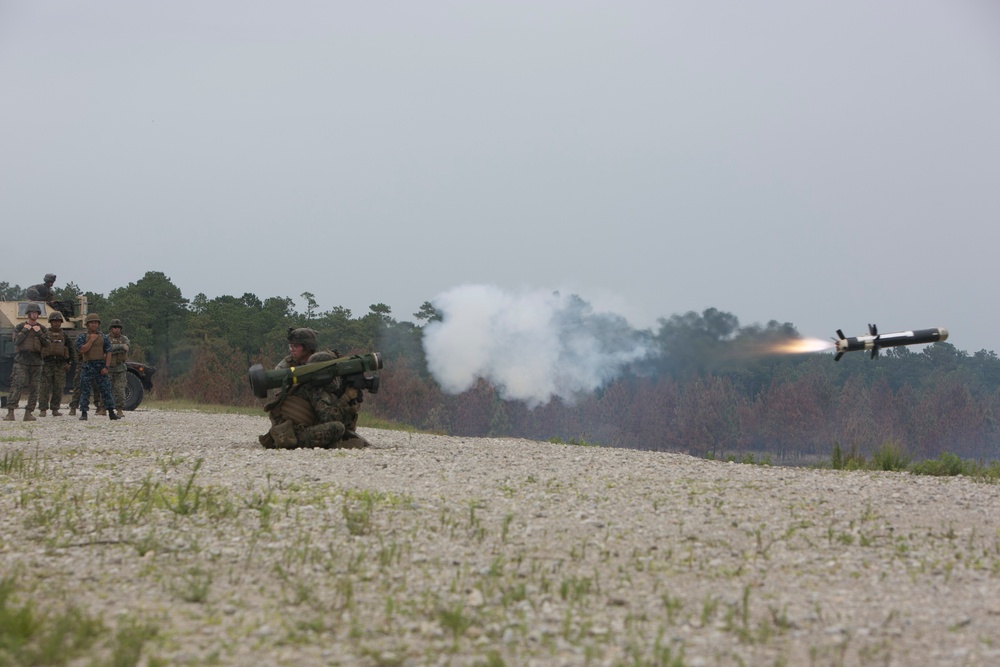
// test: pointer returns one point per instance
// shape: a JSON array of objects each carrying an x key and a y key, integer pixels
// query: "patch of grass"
[
  {"x": 890, "y": 456},
  {"x": 183, "y": 405},
  {"x": 574, "y": 441},
  {"x": 31, "y": 636}
]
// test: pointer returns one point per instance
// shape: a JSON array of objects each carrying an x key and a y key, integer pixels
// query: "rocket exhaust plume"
[
  {"x": 531, "y": 345},
  {"x": 798, "y": 346}
]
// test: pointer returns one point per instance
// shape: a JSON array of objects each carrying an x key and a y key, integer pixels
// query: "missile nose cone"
[{"x": 944, "y": 333}]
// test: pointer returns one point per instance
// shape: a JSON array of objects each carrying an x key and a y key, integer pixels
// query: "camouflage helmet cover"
[
  {"x": 50, "y": 278},
  {"x": 115, "y": 323},
  {"x": 304, "y": 337},
  {"x": 33, "y": 308},
  {"x": 322, "y": 355},
  {"x": 92, "y": 317},
  {"x": 55, "y": 315}
]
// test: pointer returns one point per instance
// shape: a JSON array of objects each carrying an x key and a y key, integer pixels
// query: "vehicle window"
[{"x": 22, "y": 306}]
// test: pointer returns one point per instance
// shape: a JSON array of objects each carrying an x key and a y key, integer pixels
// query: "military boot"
[
  {"x": 113, "y": 415},
  {"x": 41, "y": 413},
  {"x": 83, "y": 415},
  {"x": 28, "y": 417},
  {"x": 101, "y": 412},
  {"x": 56, "y": 413},
  {"x": 120, "y": 412},
  {"x": 72, "y": 412},
  {"x": 10, "y": 415}
]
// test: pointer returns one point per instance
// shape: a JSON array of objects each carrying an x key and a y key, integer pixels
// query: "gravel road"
[{"x": 431, "y": 550}]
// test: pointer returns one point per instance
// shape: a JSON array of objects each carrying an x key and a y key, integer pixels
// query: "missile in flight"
[{"x": 875, "y": 341}]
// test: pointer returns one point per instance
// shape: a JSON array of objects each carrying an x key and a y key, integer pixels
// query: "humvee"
[{"x": 138, "y": 380}]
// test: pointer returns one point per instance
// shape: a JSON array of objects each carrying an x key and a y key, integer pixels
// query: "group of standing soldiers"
[{"x": 44, "y": 355}]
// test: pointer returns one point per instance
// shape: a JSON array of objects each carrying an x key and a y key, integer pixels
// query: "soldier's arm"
[{"x": 88, "y": 341}]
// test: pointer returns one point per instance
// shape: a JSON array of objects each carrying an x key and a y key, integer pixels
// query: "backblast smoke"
[{"x": 531, "y": 346}]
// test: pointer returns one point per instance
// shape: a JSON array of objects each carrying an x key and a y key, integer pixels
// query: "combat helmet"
[
  {"x": 56, "y": 315},
  {"x": 50, "y": 278},
  {"x": 115, "y": 323},
  {"x": 92, "y": 317},
  {"x": 304, "y": 337},
  {"x": 32, "y": 308},
  {"x": 322, "y": 355}
]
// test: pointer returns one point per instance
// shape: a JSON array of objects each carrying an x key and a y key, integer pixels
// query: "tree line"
[{"x": 700, "y": 393}]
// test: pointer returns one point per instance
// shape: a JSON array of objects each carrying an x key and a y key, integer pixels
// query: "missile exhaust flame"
[{"x": 800, "y": 346}]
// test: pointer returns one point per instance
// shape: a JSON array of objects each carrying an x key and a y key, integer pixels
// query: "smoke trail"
[{"x": 531, "y": 346}]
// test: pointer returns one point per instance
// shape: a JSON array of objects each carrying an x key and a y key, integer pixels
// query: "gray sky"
[{"x": 827, "y": 164}]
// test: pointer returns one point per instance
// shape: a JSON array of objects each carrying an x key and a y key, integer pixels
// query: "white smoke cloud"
[{"x": 531, "y": 346}]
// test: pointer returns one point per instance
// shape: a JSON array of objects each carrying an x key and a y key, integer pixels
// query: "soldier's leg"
[
  {"x": 118, "y": 389},
  {"x": 95, "y": 391},
  {"x": 326, "y": 435},
  {"x": 108, "y": 399},
  {"x": 75, "y": 401},
  {"x": 58, "y": 385},
  {"x": 86, "y": 385},
  {"x": 57, "y": 381},
  {"x": 34, "y": 379},
  {"x": 14, "y": 397},
  {"x": 43, "y": 390},
  {"x": 47, "y": 387},
  {"x": 18, "y": 385}
]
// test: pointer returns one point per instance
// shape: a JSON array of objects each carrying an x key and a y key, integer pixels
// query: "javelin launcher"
[
  {"x": 875, "y": 341},
  {"x": 353, "y": 371}
]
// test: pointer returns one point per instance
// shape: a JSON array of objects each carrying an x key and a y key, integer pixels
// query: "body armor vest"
[
  {"x": 58, "y": 346},
  {"x": 31, "y": 343},
  {"x": 95, "y": 352},
  {"x": 117, "y": 357}
]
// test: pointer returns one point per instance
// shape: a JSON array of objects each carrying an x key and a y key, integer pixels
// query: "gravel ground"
[{"x": 431, "y": 550}]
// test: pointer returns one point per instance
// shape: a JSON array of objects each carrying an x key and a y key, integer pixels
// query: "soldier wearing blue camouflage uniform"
[
  {"x": 30, "y": 338},
  {"x": 307, "y": 415},
  {"x": 117, "y": 371},
  {"x": 95, "y": 352},
  {"x": 55, "y": 362}
]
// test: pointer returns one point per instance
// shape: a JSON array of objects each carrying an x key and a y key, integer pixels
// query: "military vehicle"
[{"x": 138, "y": 380}]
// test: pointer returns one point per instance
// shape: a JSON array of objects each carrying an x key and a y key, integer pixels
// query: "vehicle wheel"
[{"x": 133, "y": 391}]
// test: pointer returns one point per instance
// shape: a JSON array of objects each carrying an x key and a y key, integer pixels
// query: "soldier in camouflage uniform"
[
  {"x": 120, "y": 345},
  {"x": 95, "y": 350},
  {"x": 30, "y": 338},
  {"x": 43, "y": 290},
  {"x": 55, "y": 362},
  {"x": 309, "y": 415}
]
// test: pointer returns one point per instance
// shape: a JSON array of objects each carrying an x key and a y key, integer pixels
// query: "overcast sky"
[{"x": 827, "y": 164}]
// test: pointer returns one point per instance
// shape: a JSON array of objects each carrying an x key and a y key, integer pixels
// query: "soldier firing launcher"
[{"x": 353, "y": 370}]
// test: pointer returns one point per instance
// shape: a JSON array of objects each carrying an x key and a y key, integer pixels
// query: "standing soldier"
[
  {"x": 95, "y": 351},
  {"x": 29, "y": 339},
  {"x": 55, "y": 359},
  {"x": 74, "y": 402},
  {"x": 119, "y": 353}
]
